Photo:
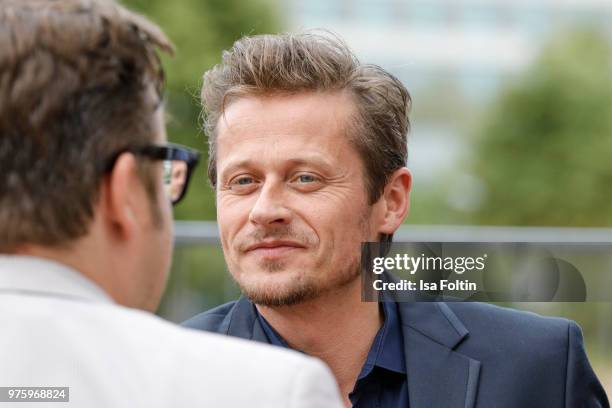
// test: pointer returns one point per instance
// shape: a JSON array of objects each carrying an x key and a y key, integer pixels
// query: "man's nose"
[{"x": 270, "y": 207}]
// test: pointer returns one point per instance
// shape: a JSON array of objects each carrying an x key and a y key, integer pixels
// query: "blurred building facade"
[
  {"x": 453, "y": 55},
  {"x": 475, "y": 42}
]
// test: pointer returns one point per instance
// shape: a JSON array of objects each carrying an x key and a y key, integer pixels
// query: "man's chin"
[
  {"x": 279, "y": 299},
  {"x": 280, "y": 288}
]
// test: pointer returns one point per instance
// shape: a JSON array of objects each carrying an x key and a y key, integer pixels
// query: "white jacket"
[{"x": 57, "y": 328}]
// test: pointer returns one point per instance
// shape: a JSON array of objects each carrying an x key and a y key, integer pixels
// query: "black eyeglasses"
[{"x": 178, "y": 161}]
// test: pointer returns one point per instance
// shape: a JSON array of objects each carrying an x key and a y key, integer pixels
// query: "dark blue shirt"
[{"x": 382, "y": 382}]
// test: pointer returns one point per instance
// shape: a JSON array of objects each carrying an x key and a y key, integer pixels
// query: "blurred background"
[{"x": 511, "y": 123}]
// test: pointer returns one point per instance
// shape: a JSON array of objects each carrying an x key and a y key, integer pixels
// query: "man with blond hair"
[
  {"x": 86, "y": 186},
  {"x": 308, "y": 158}
]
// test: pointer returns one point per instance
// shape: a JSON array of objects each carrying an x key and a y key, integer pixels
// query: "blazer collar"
[
  {"x": 242, "y": 322},
  {"x": 438, "y": 375}
]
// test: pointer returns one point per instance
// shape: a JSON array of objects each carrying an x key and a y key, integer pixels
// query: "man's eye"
[
  {"x": 306, "y": 178},
  {"x": 242, "y": 184},
  {"x": 243, "y": 181},
  {"x": 306, "y": 182}
]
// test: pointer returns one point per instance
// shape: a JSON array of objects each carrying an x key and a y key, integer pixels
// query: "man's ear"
[
  {"x": 124, "y": 198},
  {"x": 396, "y": 200}
]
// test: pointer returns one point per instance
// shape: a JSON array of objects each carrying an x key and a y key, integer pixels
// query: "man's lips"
[
  {"x": 273, "y": 248},
  {"x": 273, "y": 244}
]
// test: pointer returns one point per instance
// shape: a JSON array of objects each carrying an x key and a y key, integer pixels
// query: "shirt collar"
[
  {"x": 387, "y": 349},
  {"x": 43, "y": 277},
  {"x": 393, "y": 356}
]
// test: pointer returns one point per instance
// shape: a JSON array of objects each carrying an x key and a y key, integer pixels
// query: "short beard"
[
  {"x": 301, "y": 292},
  {"x": 293, "y": 297}
]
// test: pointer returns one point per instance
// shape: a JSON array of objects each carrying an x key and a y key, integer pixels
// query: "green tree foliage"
[
  {"x": 545, "y": 151},
  {"x": 200, "y": 29}
]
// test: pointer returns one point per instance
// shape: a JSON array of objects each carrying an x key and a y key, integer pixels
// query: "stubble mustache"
[{"x": 276, "y": 233}]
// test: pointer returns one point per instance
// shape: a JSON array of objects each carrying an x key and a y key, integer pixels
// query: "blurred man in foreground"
[
  {"x": 307, "y": 155},
  {"x": 86, "y": 186}
]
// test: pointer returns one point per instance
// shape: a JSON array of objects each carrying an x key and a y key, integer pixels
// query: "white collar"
[{"x": 44, "y": 277}]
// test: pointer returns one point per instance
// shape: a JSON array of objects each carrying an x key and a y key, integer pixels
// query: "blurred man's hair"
[
  {"x": 76, "y": 79},
  {"x": 315, "y": 62}
]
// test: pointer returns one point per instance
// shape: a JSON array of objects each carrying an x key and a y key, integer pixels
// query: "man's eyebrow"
[
  {"x": 310, "y": 160},
  {"x": 234, "y": 166}
]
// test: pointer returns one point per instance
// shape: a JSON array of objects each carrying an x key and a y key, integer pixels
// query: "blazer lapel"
[
  {"x": 438, "y": 376},
  {"x": 242, "y": 322}
]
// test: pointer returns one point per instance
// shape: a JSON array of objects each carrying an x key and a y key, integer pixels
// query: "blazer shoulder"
[
  {"x": 485, "y": 315},
  {"x": 520, "y": 331},
  {"x": 210, "y": 320}
]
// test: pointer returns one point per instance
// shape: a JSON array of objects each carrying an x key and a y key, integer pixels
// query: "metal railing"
[{"x": 206, "y": 232}]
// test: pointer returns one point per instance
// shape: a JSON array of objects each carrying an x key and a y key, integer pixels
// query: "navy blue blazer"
[{"x": 464, "y": 355}]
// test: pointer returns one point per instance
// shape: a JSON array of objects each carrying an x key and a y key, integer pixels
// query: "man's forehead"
[{"x": 325, "y": 113}]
